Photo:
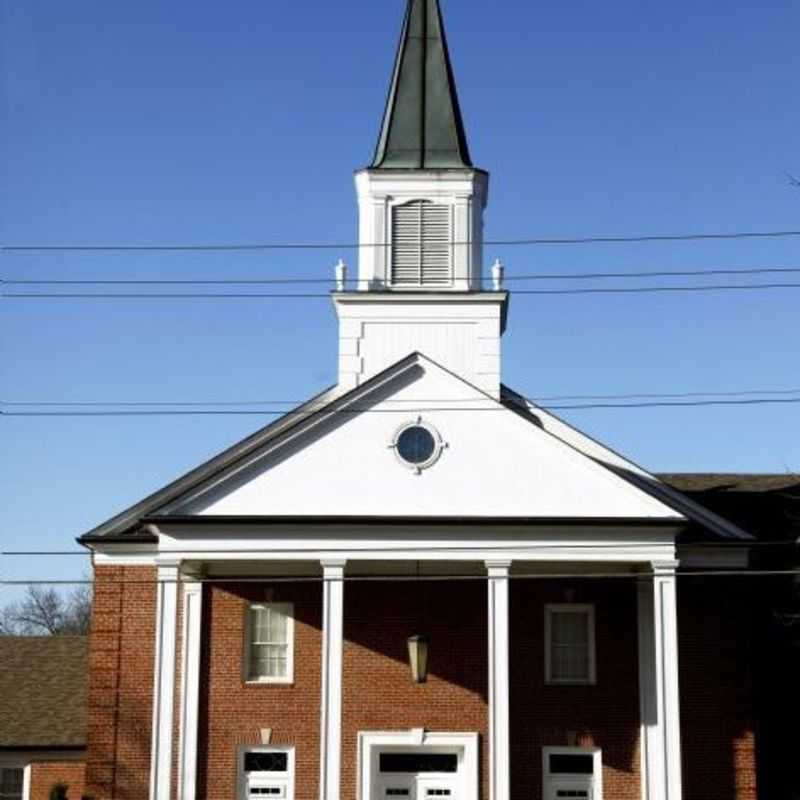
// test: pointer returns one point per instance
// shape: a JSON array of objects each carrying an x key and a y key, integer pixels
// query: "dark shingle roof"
[
  {"x": 43, "y": 691},
  {"x": 766, "y": 505},
  {"x": 422, "y": 126}
]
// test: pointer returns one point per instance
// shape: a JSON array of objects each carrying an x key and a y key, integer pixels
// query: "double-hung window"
[
  {"x": 421, "y": 244},
  {"x": 569, "y": 644},
  {"x": 270, "y": 643},
  {"x": 12, "y": 780}
]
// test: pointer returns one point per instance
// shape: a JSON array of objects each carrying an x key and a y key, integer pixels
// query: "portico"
[{"x": 493, "y": 558}]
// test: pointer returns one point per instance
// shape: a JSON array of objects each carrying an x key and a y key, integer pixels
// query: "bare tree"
[{"x": 46, "y": 612}]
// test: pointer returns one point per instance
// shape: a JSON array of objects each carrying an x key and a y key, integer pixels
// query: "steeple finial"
[{"x": 422, "y": 126}]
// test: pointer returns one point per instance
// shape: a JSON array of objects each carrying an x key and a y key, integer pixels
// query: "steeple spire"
[{"x": 422, "y": 126}]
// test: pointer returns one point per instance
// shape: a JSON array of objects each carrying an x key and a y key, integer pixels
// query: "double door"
[{"x": 417, "y": 787}]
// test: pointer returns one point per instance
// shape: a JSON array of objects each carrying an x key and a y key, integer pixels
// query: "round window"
[{"x": 417, "y": 445}]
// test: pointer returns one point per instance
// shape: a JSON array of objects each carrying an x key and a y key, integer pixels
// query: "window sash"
[
  {"x": 12, "y": 783},
  {"x": 270, "y": 631},
  {"x": 570, "y": 656}
]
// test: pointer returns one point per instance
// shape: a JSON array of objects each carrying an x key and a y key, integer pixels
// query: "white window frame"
[
  {"x": 597, "y": 768},
  {"x": 288, "y": 610},
  {"x": 575, "y": 608},
  {"x": 446, "y": 201},
  {"x": 26, "y": 774},
  {"x": 282, "y": 777}
]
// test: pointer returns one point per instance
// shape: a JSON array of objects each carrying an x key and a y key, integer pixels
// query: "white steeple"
[{"x": 421, "y": 203}]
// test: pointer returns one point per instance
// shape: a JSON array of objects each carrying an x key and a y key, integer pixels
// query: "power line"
[
  {"x": 757, "y": 573},
  {"x": 243, "y": 246},
  {"x": 411, "y": 410},
  {"x": 536, "y": 401},
  {"x": 533, "y": 547},
  {"x": 326, "y": 295},
  {"x": 358, "y": 281}
]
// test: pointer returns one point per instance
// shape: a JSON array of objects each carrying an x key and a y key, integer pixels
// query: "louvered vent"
[{"x": 421, "y": 244}]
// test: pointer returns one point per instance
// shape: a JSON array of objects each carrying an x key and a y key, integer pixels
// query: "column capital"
[
  {"x": 333, "y": 566},
  {"x": 498, "y": 568},
  {"x": 664, "y": 569}
]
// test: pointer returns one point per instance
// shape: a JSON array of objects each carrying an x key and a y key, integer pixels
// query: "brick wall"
[
  {"x": 232, "y": 712},
  {"x": 715, "y": 629},
  {"x": 46, "y": 774},
  {"x": 605, "y": 715},
  {"x": 378, "y": 691},
  {"x": 716, "y": 690},
  {"x": 121, "y": 656}
]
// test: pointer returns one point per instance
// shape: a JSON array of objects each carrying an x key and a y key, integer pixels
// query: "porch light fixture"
[{"x": 418, "y": 657}]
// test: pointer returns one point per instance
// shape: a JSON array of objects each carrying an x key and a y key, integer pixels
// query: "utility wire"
[
  {"x": 411, "y": 410},
  {"x": 534, "y": 547},
  {"x": 232, "y": 247},
  {"x": 358, "y": 281},
  {"x": 536, "y": 401},
  {"x": 757, "y": 573},
  {"x": 326, "y": 295}
]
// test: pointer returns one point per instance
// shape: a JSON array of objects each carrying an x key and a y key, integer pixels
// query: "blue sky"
[{"x": 189, "y": 122}]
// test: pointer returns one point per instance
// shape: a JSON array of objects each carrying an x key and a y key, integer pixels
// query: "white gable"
[{"x": 496, "y": 463}]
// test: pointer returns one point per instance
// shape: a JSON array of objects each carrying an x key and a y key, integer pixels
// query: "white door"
[{"x": 418, "y": 775}]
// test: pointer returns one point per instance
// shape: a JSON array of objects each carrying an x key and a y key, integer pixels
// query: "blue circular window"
[{"x": 417, "y": 445}]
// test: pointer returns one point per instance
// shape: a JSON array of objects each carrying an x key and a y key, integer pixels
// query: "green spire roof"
[{"x": 422, "y": 126}]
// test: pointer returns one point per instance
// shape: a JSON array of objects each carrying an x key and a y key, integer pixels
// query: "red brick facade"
[
  {"x": 121, "y": 659},
  {"x": 605, "y": 715},
  {"x": 717, "y": 690},
  {"x": 719, "y": 759},
  {"x": 47, "y": 774}
]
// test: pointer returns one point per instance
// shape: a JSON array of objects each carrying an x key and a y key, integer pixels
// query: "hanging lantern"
[{"x": 418, "y": 658}]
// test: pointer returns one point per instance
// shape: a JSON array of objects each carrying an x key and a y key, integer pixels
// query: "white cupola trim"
[{"x": 421, "y": 229}]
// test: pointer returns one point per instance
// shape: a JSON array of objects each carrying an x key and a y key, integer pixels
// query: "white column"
[
  {"x": 499, "y": 736},
  {"x": 190, "y": 688},
  {"x": 331, "y": 703},
  {"x": 164, "y": 683},
  {"x": 658, "y": 684}
]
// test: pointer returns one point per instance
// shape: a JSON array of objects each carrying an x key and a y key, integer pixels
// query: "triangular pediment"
[{"x": 339, "y": 460}]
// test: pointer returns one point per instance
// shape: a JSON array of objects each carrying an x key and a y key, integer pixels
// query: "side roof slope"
[{"x": 43, "y": 692}]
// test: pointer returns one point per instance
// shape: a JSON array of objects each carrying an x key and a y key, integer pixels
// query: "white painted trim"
[
  {"x": 190, "y": 688},
  {"x": 331, "y": 700},
  {"x": 499, "y": 725},
  {"x": 658, "y": 682},
  {"x": 597, "y": 767},
  {"x": 309, "y": 542},
  {"x": 288, "y": 610},
  {"x": 577, "y": 608},
  {"x": 371, "y": 742},
  {"x": 287, "y": 777},
  {"x": 164, "y": 682}
]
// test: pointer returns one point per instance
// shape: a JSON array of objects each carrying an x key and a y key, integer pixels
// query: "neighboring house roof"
[
  {"x": 43, "y": 692},
  {"x": 127, "y": 526},
  {"x": 422, "y": 126},
  {"x": 767, "y": 505}
]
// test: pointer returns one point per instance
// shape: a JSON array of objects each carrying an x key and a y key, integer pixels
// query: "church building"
[{"x": 419, "y": 585}]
